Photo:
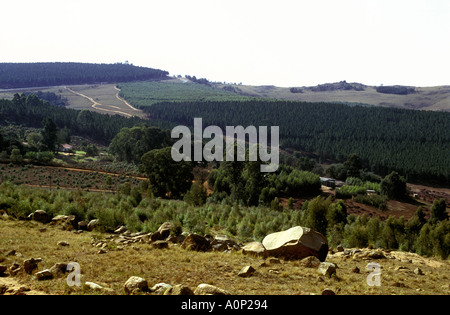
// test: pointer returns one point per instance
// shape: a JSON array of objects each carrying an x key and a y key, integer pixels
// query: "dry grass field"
[
  {"x": 425, "y": 98},
  {"x": 174, "y": 265}
]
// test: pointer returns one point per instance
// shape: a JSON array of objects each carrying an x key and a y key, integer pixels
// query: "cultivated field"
[{"x": 102, "y": 98}]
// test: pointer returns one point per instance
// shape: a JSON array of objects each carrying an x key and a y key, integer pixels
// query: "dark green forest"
[
  {"x": 416, "y": 144},
  {"x": 20, "y": 75}
]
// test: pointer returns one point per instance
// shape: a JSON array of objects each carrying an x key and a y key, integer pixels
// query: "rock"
[
  {"x": 296, "y": 243},
  {"x": 59, "y": 217},
  {"x": 274, "y": 260},
  {"x": 254, "y": 249},
  {"x": 40, "y": 216},
  {"x": 30, "y": 265},
  {"x": 223, "y": 243},
  {"x": 82, "y": 225},
  {"x": 67, "y": 222},
  {"x": 14, "y": 269},
  {"x": 93, "y": 286},
  {"x": 339, "y": 248},
  {"x": 196, "y": 242},
  {"x": 328, "y": 292},
  {"x": 247, "y": 271},
  {"x": 376, "y": 254},
  {"x": 12, "y": 252},
  {"x": 63, "y": 243},
  {"x": 135, "y": 285},
  {"x": 400, "y": 268},
  {"x": 3, "y": 268},
  {"x": 92, "y": 225},
  {"x": 160, "y": 288},
  {"x": 327, "y": 269},
  {"x": 179, "y": 289},
  {"x": 176, "y": 239},
  {"x": 121, "y": 230},
  {"x": 310, "y": 262},
  {"x": 163, "y": 232},
  {"x": 101, "y": 251},
  {"x": 418, "y": 271},
  {"x": 44, "y": 275},
  {"x": 207, "y": 289},
  {"x": 355, "y": 270},
  {"x": 58, "y": 269},
  {"x": 160, "y": 244}
]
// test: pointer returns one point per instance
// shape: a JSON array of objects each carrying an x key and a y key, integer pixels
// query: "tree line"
[
  {"x": 413, "y": 143},
  {"x": 19, "y": 75},
  {"x": 31, "y": 111}
]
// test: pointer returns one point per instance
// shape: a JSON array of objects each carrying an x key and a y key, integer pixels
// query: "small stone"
[
  {"x": 418, "y": 271},
  {"x": 179, "y": 289},
  {"x": 327, "y": 269},
  {"x": 160, "y": 288},
  {"x": 63, "y": 243},
  {"x": 82, "y": 225},
  {"x": 247, "y": 271},
  {"x": 135, "y": 285},
  {"x": 92, "y": 225},
  {"x": 30, "y": 265},
  {"x": 208, "y": 289},
  {"x": 93, "y": 286},
  {"x": 310, "y": 262},
  {"x": 58, "y": 269},
  {"x": 355, "y": 270},
  {"x": 121, "y": 230},
  {"x": 160, "y": 244},
  {"x": 274, "y": 260},
  {"x": 3, "y": 268},
  {"x": 328, "y": 292},
  {"x": 44, "y": 275}
]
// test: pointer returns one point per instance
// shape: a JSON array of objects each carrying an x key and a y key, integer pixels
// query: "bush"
[{"x": 393, "y": 186}]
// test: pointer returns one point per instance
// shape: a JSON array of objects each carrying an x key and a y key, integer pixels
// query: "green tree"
[
  {"x": 438, "y": 211},
  {"x": 16, "y": 156},
  {"x": 393, "y": 186},
  {"x": 353, "y": 166},
  {"x": 49, "y": 135},
  {"x": 196, "y": 196},
  {"x": 167, "y": 177},
  {"x": 315, "y": 216}
]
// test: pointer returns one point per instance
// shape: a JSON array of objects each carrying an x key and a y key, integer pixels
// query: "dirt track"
[{"x": 107, "y": 108}]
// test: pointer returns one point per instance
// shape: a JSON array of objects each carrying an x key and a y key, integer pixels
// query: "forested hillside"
[
  {"x": 30, "y": 111},
  {"x": 414, "y": 143},
  {"x": 20, "y": 75}
]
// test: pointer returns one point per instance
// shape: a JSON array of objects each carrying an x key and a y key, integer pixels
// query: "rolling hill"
[{"x": 423, "y": 98}]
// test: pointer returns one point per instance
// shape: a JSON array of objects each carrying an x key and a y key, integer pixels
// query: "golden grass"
[{"x": 178, "y": 266}]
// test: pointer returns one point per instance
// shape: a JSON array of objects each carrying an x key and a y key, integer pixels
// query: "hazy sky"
[{"x": 281, "y": 42}]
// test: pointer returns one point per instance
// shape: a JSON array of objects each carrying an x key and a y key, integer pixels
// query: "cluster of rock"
[
  {"x": 30, "y": 266},
  {"x": 295, "y": 243},
  {"x": 66, "y": 222},
  {"x": 163, "y": 238},
  {"x": 138, "y": 285}
]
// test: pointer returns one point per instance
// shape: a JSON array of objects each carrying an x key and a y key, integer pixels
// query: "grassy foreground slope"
[{"x": 178, "y": 266}]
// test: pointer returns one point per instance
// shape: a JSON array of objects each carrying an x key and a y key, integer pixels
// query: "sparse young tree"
[{"x": 438, "y": 211}]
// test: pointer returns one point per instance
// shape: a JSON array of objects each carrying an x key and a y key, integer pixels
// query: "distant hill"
[
  {"x": 23, "y": 75},
  {"x": 423, "y": 98}
]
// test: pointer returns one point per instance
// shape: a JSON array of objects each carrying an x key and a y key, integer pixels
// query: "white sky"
[{"x": 257, "y": 42}]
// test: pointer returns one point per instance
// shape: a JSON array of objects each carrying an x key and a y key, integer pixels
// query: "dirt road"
[{"x": 102, "y": 107}]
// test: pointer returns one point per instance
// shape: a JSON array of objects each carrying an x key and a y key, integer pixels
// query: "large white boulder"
[{"x": 296, "y": 243}]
